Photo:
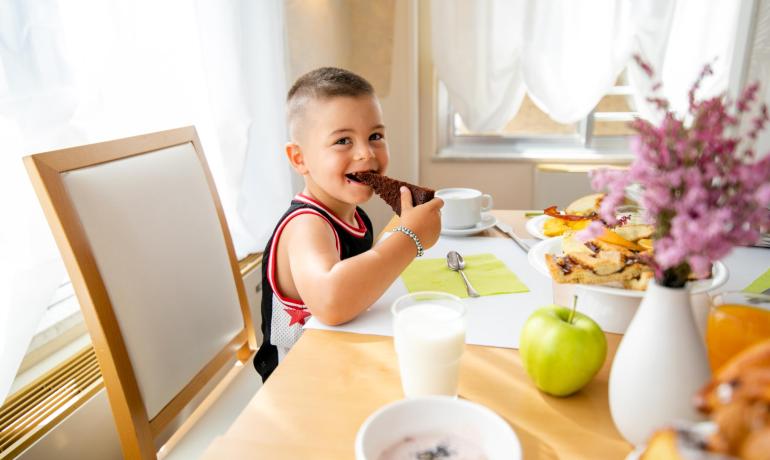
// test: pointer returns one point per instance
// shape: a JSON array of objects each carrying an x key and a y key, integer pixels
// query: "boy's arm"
[{"x": 335, "y": 290}]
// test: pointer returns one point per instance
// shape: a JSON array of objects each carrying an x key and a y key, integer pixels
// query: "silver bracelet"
[{"x": 408, "y": 232}]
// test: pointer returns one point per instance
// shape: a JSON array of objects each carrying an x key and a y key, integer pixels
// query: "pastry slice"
[
  {"x": 746, "y": 375},
  {"x": 602, "y": 245},
  {"x": 635, "y": 232},
  {"x": 388, "y": 189},
  {"x": 602, "y": 263},
  {"x": 738, "y": 401},
  {"x": 640, "y": 283},
  {"x": 564, "y": 269},
  {"x": 585, "y": 205}
]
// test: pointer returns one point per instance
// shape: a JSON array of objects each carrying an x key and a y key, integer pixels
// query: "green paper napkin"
[
  {"x": 487, "y": 274},
  {"x": 759, "y": 284}
]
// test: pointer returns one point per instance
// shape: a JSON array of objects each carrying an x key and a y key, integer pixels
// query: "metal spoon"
[{"x": 456, "y": 263}]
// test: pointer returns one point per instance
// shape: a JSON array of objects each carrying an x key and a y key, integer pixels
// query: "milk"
[{"x": 429, "y": 340}]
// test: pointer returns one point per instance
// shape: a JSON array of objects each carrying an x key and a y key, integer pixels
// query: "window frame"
[
  {"x": 569, "y": 146},
  {"x": 578, "y": 149}
]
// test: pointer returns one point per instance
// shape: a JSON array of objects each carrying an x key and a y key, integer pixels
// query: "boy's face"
[{"x": 338, "y": 136}]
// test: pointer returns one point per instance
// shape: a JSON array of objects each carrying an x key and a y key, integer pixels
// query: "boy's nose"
[{"x": 364, "y": 153}]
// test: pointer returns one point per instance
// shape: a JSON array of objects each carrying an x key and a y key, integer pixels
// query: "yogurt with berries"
[{"x": 433, "y": 446}]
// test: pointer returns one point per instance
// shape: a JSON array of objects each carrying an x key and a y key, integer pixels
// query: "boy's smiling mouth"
[{"x": 351, "y": 178}]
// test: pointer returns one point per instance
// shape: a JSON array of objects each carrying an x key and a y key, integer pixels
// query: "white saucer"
[
  {"x": 487, "y": 221},
  {"x": 535, "y": 226}
]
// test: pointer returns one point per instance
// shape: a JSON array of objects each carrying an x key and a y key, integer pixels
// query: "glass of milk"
[{"x": 429, "y": 336}]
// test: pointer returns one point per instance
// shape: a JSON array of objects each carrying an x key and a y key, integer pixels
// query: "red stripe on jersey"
[
  {"x": 357, "y": 232},
  {"x": 288, "y": 301}
]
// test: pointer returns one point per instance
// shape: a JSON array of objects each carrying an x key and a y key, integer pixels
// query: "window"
[
  {"x": 604, "y": 130},
  {"x": 498, "y": 63}
]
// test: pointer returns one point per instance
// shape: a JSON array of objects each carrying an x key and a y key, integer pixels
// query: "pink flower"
[
  {"x": 702, "y": 188},
  {"x": 763, "y": 195}
]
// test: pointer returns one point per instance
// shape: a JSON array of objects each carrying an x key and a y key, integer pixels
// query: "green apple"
[{"x": 561, "y": 349}]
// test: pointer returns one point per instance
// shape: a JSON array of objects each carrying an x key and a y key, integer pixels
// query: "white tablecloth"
[{"x": 497, "y": 320}]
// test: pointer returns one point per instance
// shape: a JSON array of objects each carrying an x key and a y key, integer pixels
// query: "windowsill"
[
  {"x": 60, "y": 335},
  {"x": 58, "y": 317},
  {"x": 489, "y": 153}
]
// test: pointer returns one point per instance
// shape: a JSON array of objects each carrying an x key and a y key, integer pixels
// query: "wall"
[
  {"x": 509, "y": 183},
  {"x": 400, "y": 108}
]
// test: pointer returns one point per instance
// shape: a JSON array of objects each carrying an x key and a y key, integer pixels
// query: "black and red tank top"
[{"x": 282, "y": 316}]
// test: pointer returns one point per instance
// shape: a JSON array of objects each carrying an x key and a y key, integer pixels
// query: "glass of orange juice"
[{"x": 736, "y": 321}]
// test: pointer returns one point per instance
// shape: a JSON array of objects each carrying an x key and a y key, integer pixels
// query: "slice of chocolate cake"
[{"x": 388, "y": 189}]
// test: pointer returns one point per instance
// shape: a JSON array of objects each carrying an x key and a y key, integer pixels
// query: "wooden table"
[{"x": 330, "y": 382}]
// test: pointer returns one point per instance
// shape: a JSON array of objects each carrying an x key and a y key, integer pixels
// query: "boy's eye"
[
  {"x": 376, "y": 137},
  {"x": 343, "y": 141}
]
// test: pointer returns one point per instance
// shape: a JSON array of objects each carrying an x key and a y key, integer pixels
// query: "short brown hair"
[{"x": 323, "y": 83}]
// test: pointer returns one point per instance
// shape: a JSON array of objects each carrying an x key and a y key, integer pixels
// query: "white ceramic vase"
[{"x": 660, "y": 364}]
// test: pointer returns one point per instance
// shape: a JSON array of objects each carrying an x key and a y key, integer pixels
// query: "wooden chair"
[{"x": 140, "y": 227}]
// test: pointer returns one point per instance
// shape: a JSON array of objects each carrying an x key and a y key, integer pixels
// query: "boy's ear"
[{"x": 296, "y": 157}]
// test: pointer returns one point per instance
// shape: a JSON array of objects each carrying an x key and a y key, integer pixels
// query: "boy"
[{"x": 320, "y": 259}]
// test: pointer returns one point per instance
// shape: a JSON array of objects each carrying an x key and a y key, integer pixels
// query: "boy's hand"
[{"x": 424, "y": 220}]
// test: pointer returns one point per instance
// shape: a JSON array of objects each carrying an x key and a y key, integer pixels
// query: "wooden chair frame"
[{"x": 136, "y": 431}]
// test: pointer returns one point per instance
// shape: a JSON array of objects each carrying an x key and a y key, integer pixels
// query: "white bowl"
[
  {"x": 612, "y": 307},
  {"x": 474, "y": 423}
]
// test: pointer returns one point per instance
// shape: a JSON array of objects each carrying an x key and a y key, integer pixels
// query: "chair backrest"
[{"x": 142, "y": 232}]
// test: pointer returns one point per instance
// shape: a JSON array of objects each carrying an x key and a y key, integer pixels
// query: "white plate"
[
  {"x": 535, "y": 226},
  {"x": 487, "y": 221},
  {"x": 537, "y": 254}
]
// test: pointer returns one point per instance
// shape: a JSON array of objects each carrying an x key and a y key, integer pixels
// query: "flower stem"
[{"x": 676, "y": 277}]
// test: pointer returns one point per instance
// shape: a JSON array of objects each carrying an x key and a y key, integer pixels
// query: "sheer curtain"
[
  {"x": 477, "y": 54},
  {"x": 677, "y": 39},
  {"x": 759, "y": 67},
  {"x": 81, "y": 71},
  {"x": 566, "y": 54}
]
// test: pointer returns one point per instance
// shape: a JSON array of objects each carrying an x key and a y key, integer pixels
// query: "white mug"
[{"x": 463, "y": 207}]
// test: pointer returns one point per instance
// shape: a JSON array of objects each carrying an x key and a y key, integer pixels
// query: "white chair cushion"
[{"x": 156, "y": 238}]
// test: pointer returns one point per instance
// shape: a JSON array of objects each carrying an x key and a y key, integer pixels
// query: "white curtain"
[
  {"x": 759, "y": 69},
  {"x": 74, "y": 72},
  {"x": 477, "y": 54},
  {"x": 566, "y": 54},
  {"x": 573, "y": 52},
  {"x": 678, "y": 39}
]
